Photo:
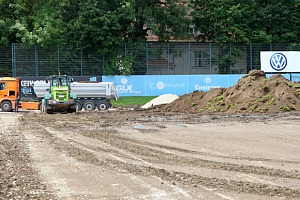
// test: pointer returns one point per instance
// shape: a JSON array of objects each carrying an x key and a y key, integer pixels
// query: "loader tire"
[
  {"x": 49, "y": 111},
  {"x": 78, "y": 106},
  {"x": 43, "y": 106}
]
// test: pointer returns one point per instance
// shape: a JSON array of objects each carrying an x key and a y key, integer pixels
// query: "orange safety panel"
[{"x": 29, "y": 105}]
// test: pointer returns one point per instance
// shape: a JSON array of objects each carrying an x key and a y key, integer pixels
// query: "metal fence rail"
[{"x": 151, "y": 58}]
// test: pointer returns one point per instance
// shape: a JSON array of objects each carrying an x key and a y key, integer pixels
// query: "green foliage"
[
  {"x": 296, "y": 85},
  {"x": 102, "y": 24},
  {"x": 286, "y": 108},
  {"x": 268, "y": 96},
  {"x": 247, "y": 21},
  {"x": 194, "y": 104},
  {"x": 271, "y": 101},
  {"x": 266, "y": 88},
  {"x": 252, "y": 107}
]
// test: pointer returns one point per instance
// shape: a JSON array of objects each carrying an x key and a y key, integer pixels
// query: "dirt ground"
[
  {"x": 237, "y": 143},
  {"x": 128, "y": 154}
]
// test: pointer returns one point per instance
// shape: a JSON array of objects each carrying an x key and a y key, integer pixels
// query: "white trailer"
[{"x": 90, "y": 95}]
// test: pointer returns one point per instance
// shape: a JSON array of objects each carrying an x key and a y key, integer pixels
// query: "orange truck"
[{"x": 10, "y": 89}]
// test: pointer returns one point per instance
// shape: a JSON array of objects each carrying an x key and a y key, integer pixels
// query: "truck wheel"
[
  {"x": 78, "y": 106},
  {"x": 6, "y": 106},
  {"x": 103, "y": 106},
  {"x": 89, "y": 105}
]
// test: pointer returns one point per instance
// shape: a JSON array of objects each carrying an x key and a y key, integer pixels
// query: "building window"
[
  {"x": 198, "y": 58},
  {"x": 191, "y": 31}
]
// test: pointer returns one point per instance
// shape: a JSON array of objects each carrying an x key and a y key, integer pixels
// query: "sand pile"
[{"x": 163, "y": 99}]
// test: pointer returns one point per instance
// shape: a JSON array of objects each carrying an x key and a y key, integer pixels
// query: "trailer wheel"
[
  {"x": 103, "y": 106},
  {"x": 6, "y": 106},
  {"x": 78, "y": 106},
  {"x": 89, "y": 105}
]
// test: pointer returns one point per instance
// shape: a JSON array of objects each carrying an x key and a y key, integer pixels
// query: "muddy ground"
[{"x": 149, "y": 154}]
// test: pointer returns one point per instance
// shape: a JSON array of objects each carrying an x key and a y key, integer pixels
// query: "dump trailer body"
[{"x": 89, "y": 95}]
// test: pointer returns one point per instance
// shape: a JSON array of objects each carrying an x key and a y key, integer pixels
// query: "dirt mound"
[{"x": 252, "y": 93}]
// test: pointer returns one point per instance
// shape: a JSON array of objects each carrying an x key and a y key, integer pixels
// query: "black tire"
[
  {"x": 71, "y": 110},
  {"x": 6, "y": 106},
  {"x": 103, "y": 106},
  {"x": 40, "y": 106},
  {"x": 78, "y": 106},
  {"x": 49, "y": 111},
  {"x": 89, "y": 105}
]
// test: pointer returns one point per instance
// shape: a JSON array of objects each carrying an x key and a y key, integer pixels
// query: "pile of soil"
[{"x": 252, "y": 93}]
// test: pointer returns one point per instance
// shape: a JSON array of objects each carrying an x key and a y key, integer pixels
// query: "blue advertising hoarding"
[
  {"x": 128, "y": 85},
  {"x": 165, "y": 84},
  {"x": 155, "y": 85}
]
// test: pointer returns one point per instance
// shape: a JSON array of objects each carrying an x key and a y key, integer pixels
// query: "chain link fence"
[{"x": 151, "y": 58}]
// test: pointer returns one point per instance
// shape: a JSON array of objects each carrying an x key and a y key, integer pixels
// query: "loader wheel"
[
  {"x": 78, "y": 106},
  {"x": 43, "y": 106},
  {"x": 71, "y": 110},
  {"x": 103, "y": 106},
  {"x": 89, "y": 105},
  {"x": 40, "y": 106},
  {"x": 49, "y": 111},
  {"x": 6, "y": 106}
]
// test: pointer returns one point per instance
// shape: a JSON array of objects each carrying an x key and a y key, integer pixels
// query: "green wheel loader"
[{"x": 60, "y": 99}]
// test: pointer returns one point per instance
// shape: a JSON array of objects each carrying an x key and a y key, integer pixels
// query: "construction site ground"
[
  {"x": 241, "y": 142},
  {"x": 131, "y": 154}
]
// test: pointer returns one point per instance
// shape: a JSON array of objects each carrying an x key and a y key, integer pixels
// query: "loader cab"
[{"x": 59, "y": 80}]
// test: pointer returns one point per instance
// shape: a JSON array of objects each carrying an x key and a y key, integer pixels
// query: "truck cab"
[{"x": 9, "y": 91}]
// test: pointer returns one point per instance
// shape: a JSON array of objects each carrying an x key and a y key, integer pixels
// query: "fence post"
[
  {"x": 210, "y": 64},
  {"x": 81, "y": 62},
  {"x": 58, "y": 67},
  {"x": 13, "y": 59},
  {"x": 230, "y": 53},
  {"x": 189, "y": 57},
  {"x": 125, "y": 49},
  {"x": 103, "y": 65},
  {"x": 147, "y": 56},
  {"x": 36, "y": 58},
  {"x": 168, "y": 58},
  {"x": 251, "y": 57}
]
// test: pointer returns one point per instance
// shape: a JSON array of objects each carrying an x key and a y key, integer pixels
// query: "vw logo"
[{"x": 278, "y": 61}]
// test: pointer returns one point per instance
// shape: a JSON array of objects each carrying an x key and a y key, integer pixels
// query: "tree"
[
  {"x": 276, "y": 21},
  {"x": 36, "y": 22},
  {"x": 7, "y": 19},
  {"x": 247, "y": 20},
  {"x": 167, "y": 19},
  {"x": 222, "y": 20}
]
